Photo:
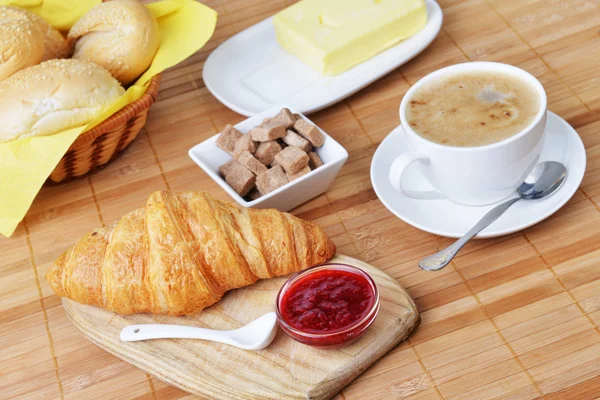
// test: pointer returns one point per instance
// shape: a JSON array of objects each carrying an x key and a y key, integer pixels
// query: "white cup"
[{"x": 472, "y": 175}]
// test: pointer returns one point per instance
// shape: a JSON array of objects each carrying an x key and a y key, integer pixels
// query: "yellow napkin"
[{"x": 25, "y": 164}]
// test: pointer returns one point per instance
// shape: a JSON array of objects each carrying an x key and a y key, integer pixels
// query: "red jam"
[
  {"x": 327, "y": 305},
  {"x": 327, "y": 301}
]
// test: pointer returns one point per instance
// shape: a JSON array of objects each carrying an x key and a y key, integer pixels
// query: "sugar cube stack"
[{"x": 278, "y": 151}]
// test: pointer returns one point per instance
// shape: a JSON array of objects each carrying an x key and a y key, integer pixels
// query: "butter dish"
[
  {"x": 251, "y": 72},
  {"x": 209, "y": 157}
]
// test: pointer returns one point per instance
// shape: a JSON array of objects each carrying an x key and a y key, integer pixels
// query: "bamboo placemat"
[{"x": 514, "y": 317}]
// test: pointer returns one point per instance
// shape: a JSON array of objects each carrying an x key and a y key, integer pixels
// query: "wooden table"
[{"x": 514, "y": 317}]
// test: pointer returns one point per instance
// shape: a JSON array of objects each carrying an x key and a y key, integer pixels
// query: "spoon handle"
[
  {"x": 442, "y": 258},
  {"x": 134, "y": 333}
]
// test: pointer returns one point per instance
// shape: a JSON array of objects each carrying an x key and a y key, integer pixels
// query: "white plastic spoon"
[{"x": 257, "y": 335}]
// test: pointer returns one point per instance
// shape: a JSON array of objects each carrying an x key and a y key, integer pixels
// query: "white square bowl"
[{"x": 210, "y": 157}]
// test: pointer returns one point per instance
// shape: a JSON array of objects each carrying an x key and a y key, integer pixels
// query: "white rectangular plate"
[{"x": 251, "y": 73}]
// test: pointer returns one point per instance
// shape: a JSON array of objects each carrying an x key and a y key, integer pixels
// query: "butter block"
[{"x": 335, "y": 35}]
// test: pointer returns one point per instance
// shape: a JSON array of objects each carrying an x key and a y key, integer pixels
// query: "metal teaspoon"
[{"x": 544, "y": 180}]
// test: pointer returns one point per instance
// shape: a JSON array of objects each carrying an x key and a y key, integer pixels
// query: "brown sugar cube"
[
  {"x": 314, "y": 161},
  {"x": 266, "y": 131},
  {"x": 240, "y": 179},
  {"x": 292, "y": 159},
  {"x": 253, "y": 195},
  {"x": 284, "y": 117},
  {"x": 227, "y": 138},
  {"x": 245, "y": 143},
  {"x": 297, "y": 116},
  {"x": 226, "y": 168},
  {"x": 309, "y": 132},
  {"x": 291, "y": 138},
  {"x": 250, "y": 162},
  {"x": 296, "y": 175},
  {"x": 266, "y": 151},
  {"x": 270, "y": 180}
]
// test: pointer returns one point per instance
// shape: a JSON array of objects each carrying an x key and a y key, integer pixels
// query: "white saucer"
[
  {"x": 251, "y": 73},
  {"x": 442, "y": 217}
]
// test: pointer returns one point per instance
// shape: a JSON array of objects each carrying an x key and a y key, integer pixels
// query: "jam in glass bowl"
[{"x": 327, "y": 306}]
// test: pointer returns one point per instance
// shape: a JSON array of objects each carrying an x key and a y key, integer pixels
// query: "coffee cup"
[{"x": 473, "y": 175}]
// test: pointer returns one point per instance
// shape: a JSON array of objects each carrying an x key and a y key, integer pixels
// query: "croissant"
[{"x": 182, "y": 252}]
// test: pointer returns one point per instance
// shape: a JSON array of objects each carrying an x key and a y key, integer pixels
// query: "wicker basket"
[{"x": 104, "y": 142}]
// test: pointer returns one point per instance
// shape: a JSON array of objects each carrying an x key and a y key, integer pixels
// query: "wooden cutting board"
[{"x": 285, "y": 370}]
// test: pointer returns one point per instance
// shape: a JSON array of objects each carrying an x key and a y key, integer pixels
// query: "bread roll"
[
  {"x": 55, "y": 45},
  {"x": 21, "y": 42},
  {"x": 53, "y": 96},
  {"x": 120, "y": 35}
]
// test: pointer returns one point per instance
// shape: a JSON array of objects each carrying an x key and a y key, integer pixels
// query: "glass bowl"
[{"x": 335, "y": 338}]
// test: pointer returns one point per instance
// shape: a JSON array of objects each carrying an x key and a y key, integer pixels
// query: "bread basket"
[{"x": 107, "y": 140}]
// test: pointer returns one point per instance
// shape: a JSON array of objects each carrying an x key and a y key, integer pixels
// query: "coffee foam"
[{"x": 472, "y": 109}]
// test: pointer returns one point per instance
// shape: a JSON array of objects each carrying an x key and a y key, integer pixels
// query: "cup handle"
[{"x": 400, "y": 165}]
